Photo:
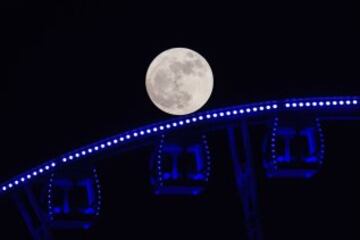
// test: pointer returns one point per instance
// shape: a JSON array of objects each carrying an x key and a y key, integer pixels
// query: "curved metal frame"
[{"x": 317, "y": 105}]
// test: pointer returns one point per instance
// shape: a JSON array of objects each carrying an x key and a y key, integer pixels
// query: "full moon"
[{"x": 179, "y": 81}]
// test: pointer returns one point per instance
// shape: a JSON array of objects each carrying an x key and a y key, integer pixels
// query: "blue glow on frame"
[{"x": 308, "y": 104}]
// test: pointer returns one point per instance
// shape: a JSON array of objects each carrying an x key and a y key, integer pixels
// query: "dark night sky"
[{"x": 74, "y": 72}]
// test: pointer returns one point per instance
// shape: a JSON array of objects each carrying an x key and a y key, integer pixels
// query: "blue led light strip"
[
  {"x": 240, "y": 111},
  {"x": 159, "y": 162},
  {"x": 207, "y": 157}
]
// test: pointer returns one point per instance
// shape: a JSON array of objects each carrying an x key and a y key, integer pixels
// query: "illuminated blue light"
[
  {"x": 41, "y": 170},
  {"x": 200, "y": 118},
  {"x": 187, "y": 120},
  {"x": 22, "y": 179},
  {"x": 77, "y": 155},
  {"x": 4, "y": 188},
  {"x": 121, "y": 140},
  {"x": 34, "y": 173},
  {"x": 28, "y": 176},
  {"x": 16, "y": 182},
  {"x": 148, "y": 130},
  {"x": 155, "y": 129},
  {"x": 47, "y": 167},
  {"x": 291, "y": 103},
  {"x": 234, "y": 112},
  {"x": 135, "y": 134},
  {"x": 174, "y": 124},
  {"x": 162, "y": 127},
  {"x": 128, "y": 136},
  {"x": 53, "y": 164},
  {"x": 10, "y": 185},
  {"x": 168, "y": 126},
  {"x": 194, "y": 119},
  {"x": 241, "y": 111}
]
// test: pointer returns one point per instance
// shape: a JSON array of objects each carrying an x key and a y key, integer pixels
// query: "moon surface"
[{"x": 179, "y": 81}]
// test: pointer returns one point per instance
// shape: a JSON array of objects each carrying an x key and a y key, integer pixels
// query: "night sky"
[{"x": 74, "y": 72}]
